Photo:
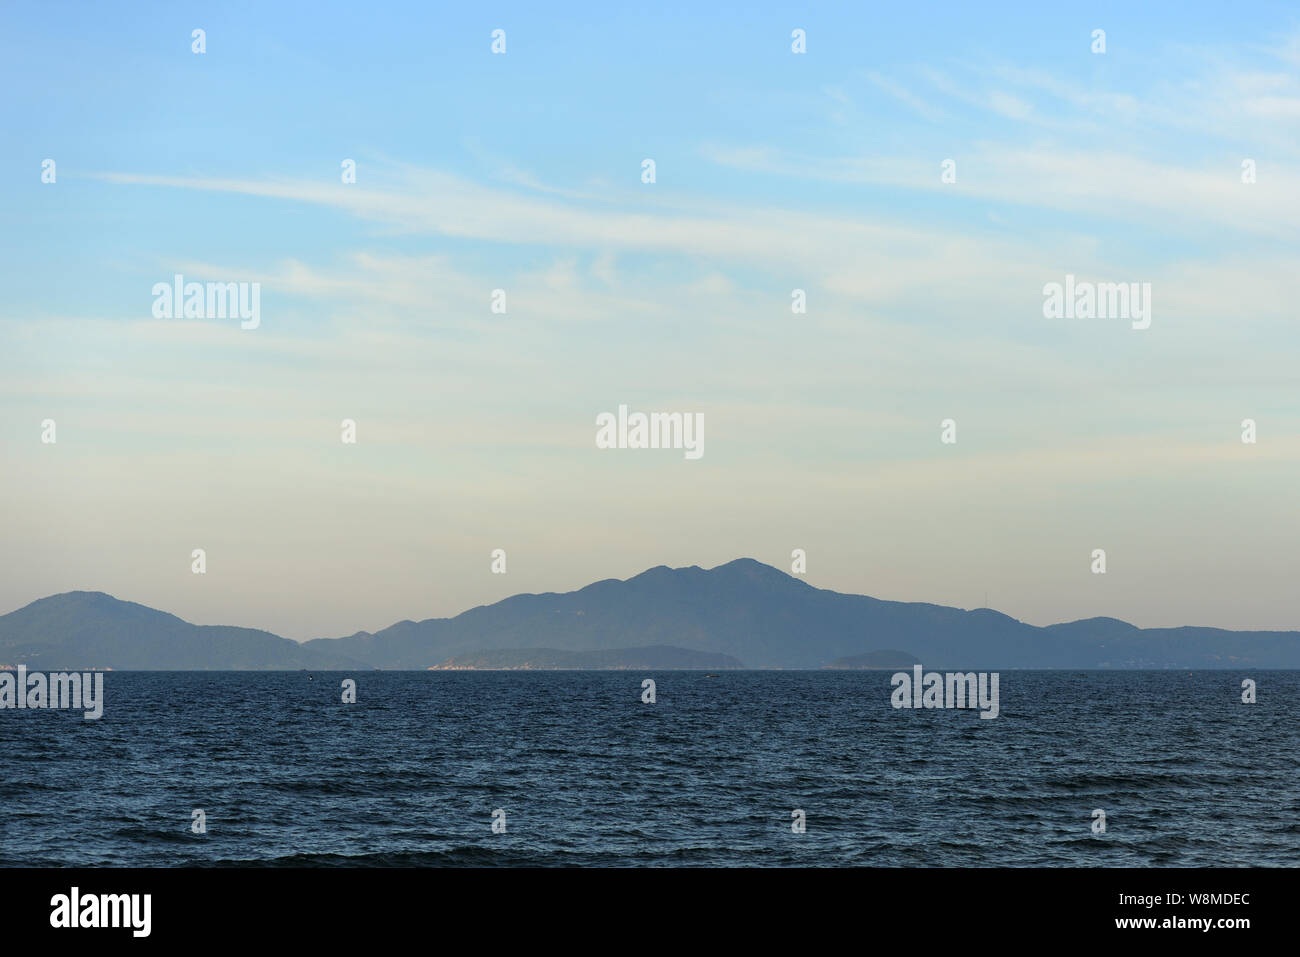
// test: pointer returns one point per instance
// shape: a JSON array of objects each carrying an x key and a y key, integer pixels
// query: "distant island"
[
  {"x": 654, "y": 658},
  {"x": 876, "y": 661},
  {"x": 740, "y": 614}
]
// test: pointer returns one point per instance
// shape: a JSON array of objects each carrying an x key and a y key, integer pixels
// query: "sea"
[{"x": 578, "y": 769}]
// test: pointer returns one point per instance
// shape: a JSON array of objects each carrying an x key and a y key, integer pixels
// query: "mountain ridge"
[{"x": 743, "y": 609}]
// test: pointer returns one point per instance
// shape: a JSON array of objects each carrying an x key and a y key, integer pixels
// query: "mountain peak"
[
  {"x": 102, "y": 597},
  {"x": 752, "y": 571},
  {"x": 742, "y": 564},
  {"x": 89, "y": 602}
]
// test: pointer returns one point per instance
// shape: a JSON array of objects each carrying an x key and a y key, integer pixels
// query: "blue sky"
[{"x": 775, "y": 171}]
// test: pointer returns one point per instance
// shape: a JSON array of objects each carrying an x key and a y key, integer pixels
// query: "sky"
[{"x": 774, "y": 171}]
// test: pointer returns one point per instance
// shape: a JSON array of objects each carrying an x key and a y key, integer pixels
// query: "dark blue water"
[{"x": 589, "y": 775}]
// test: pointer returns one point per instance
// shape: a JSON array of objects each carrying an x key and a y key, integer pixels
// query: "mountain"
[
  {"x": 655, "y": 658},
  {"x": 83, "y": 629},
  {"x": 768, "y": 619},
  {"x": 745, "y": 610}
]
